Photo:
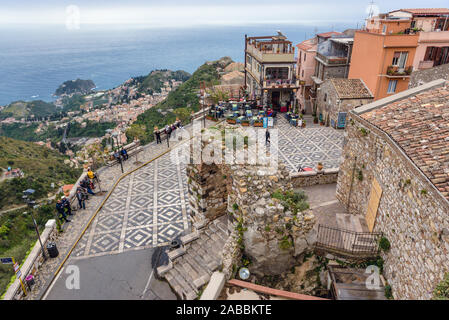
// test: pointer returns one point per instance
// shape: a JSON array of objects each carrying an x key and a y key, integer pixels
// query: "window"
[
  {"x": 304, "y": 57},
  {"x": 325, "y": 96},
  {"x": 399, "y": 59},
  {"x": 303, "y": 73},
  {"x": 384, "y": 28},
  {"x": 392, "y": 86}
]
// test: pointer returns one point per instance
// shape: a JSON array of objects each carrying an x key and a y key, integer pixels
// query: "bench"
[{"x": 132, "y": 149}]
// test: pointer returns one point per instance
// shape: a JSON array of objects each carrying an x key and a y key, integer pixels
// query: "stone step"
[
  {"x": 221, "y": 226},
  {"x": 184, "y": 280},
  {"x": 200, "y": 224},
  {"x": 190, "y": 237},
  {"x": 198, "y": 267},
  {"x": 172, "y": 255},
  {"x": 161, "y": 270},
  {"x": 176, "y": 286}
]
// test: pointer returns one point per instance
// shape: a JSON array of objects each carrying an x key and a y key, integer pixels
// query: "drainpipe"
[{"x": 352, "y": 182}]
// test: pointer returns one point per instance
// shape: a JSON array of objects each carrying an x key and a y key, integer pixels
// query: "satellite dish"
[{"x": 244, "y": 273}]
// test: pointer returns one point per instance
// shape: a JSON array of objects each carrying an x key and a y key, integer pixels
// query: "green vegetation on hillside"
[
  {"x": 92, "y": 129},
  {"x": 40, "y": 165},
  {"x": 183, "y": 100},
  {"x": 75, "y": 86},
  {"x": 22, "y": 109},
  {"x": 17, "y": 237},
  {"x": 27, "y": 132},
  {"x": 73, "y": 103},
  {"x": 154, "y": 81}
]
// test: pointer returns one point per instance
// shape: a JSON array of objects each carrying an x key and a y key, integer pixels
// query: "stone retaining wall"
[
  {"x": 310, "y": 178},
  {"x": 412, "y": 214},
  {"x": 32, "y": 262}
]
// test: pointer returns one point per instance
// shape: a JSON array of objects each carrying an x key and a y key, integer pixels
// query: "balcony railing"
[
  {"x": 332, "y": 59},
  {"x": 283, "y": 83},
  {"x": 400, "y": 72},
  {"x": 346, "y": 243}
]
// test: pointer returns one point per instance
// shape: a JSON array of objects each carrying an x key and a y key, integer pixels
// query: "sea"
[{"x": 35, "y": 60}]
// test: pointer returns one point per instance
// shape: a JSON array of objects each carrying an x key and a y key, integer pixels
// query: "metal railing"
[{"x": 348, "y": 243}]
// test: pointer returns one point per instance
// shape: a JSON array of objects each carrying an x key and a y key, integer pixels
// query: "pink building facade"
[{"x": 305, "y": 68}]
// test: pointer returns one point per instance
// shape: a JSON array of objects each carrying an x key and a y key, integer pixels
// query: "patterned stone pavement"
[
  {"x": 306, "y": 147},
  {"x": 147, "y": 209}
]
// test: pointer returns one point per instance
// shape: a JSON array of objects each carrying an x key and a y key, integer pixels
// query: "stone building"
[
  {"x": 395, "y": 171},
  {"x": 338, "y": 96},
  {"x": 420, "y": 77}
]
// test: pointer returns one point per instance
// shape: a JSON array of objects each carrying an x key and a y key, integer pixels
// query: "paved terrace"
[{"x": 147, "y": 209}]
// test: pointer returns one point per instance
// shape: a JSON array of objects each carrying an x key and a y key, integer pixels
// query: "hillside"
[
  {"x": 75, "y": 86},
  {"x": 40, "y": 165},
  {"x": 23, "y": 109},
  {"x": 154, "y": 81},
  {"x": 183, "y": 101},
  {"x": 27, "y": 132}
]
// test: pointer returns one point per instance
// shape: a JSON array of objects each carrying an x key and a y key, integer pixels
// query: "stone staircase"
[{"x": 191, "y": 266}]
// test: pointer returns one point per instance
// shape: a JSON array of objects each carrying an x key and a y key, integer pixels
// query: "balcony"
[
  {"x": 395, "y": 71},
  {"x": 331, "y": 60},
  {"x": 265, "y": 56},
  {"x": 281, "y": 83}
]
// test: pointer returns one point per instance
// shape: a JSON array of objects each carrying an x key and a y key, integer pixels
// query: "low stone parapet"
[
  {"x": 310, "y": 178},
  {"x": 215, "y": 286},
  {"x": 32, "y": 262}
]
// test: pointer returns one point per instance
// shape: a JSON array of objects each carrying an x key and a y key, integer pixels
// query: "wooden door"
[{"x": 373, "y": 204}]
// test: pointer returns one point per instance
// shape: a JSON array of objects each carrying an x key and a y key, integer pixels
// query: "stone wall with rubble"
[
  {"x": 420, "y": 77},
  {"x": 259, "y": 223},
  {"x": 412, "y": 214},
  {"x": 311, "y": 178}
]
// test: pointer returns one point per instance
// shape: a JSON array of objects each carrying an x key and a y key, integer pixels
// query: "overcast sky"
[{"x": 193, "y": 12}]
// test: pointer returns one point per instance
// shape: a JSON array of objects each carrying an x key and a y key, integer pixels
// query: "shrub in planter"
[
  {"x": 258, "y": 124},
  {"x": 231, "y": 120},
  {"x": 245, "y": 123},
  {"x": 315, "y": 119}
]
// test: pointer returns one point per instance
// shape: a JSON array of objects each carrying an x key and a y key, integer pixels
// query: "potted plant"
[
  {"x": 322, "y": 123},
  {"x": 319, "y": 166},
  {"x": 315, "y": 119},
  {"x": 258, "y": 123},
  {"x": 230, "y": 120},
  {"x": 303, "y": 123},
  {"x": 245, "y": 123}
]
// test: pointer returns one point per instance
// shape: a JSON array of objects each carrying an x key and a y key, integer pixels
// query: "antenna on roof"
[{"x": 372, "y": 9}]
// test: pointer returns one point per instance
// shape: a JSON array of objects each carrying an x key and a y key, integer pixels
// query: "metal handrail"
[{"x": 348, "y": 242}]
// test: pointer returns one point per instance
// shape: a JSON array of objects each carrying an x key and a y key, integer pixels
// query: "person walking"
[
  {"x": 86, "y": 185},
  {"x": 81, "y": 199},
  {"x": 157, "y": 133},
  {"x": 61, "y": 211},
  {"x": 267, "y": 137}
]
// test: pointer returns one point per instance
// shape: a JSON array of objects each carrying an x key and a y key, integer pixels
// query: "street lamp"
[
  {"x": 32, "y": 204},
  {"x": 115, "y": 134}
]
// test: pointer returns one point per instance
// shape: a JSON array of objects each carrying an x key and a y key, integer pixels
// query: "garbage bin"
[
  {"x": 52, "y": 250},
  {"x": 29, "y": 280},
  {"x": 175, "y": 244}
]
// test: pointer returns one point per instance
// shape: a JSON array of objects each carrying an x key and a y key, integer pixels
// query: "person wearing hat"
[{"x": 67, "y": 206}]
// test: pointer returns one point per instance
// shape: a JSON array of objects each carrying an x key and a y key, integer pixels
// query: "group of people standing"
[
  {"x": 169, "y": 129},
  {"x": 85, "y": 188}
]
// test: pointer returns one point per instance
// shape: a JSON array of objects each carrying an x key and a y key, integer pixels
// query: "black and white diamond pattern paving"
[
  {"x": 147, "y": 208},
  {"x": 306, "y": 147}
]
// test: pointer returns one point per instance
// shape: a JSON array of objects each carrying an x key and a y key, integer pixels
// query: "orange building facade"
[{"x": 383, "y": 56}]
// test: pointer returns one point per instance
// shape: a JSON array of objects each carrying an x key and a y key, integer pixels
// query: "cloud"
[{"x": 185, "y": 15}]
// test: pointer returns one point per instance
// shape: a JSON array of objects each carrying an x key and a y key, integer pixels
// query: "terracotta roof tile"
[
  {"x": 420, "y": 126},
  {"x": 351, "y": 88},
  {"x": 329, "y": 34},
  {"x": 427, "y": 10}
]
